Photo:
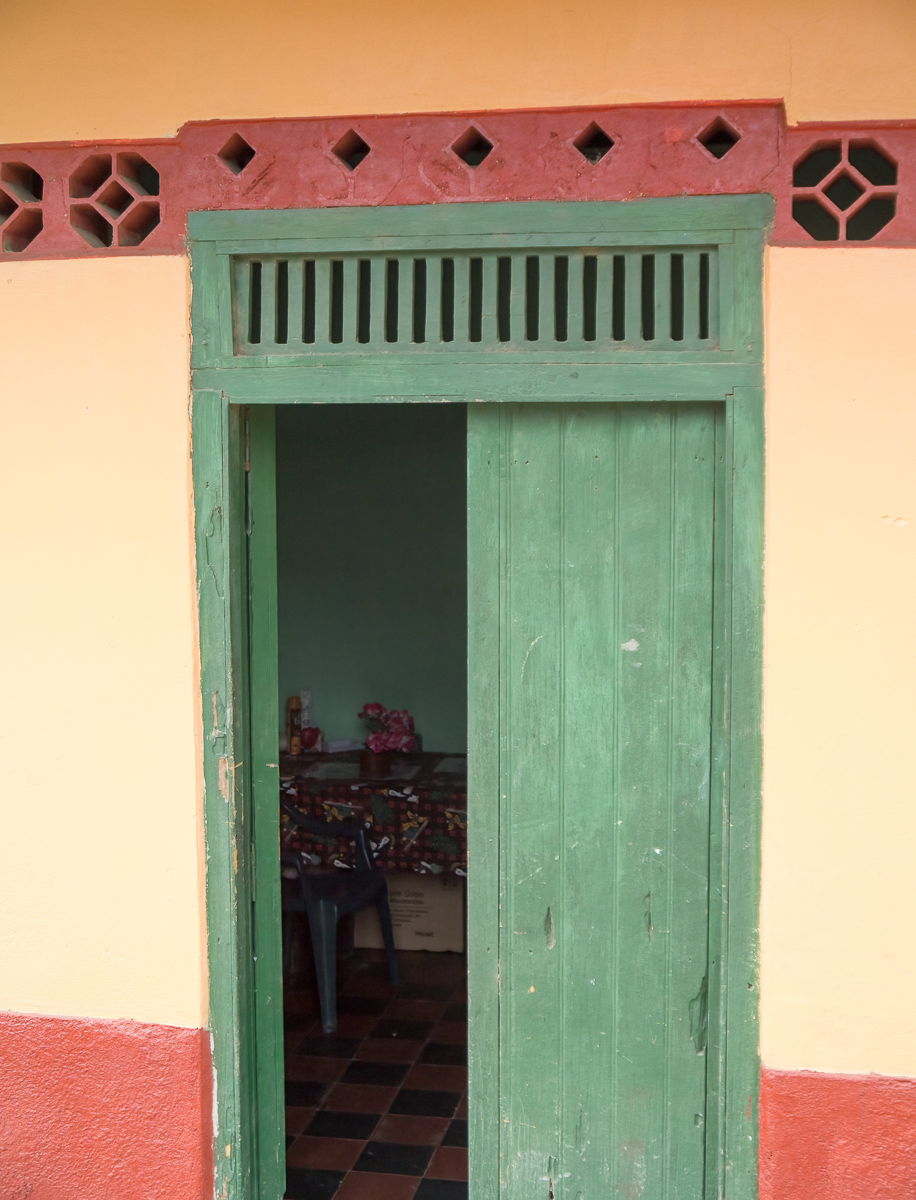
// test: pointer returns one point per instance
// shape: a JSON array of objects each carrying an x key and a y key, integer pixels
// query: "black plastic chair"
[{"x": 326, "y": 897}]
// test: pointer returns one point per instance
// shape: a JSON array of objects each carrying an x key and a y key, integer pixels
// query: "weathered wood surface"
[
  {"x": 721, "y": 385},
  {"x": 605, "y": 703}
]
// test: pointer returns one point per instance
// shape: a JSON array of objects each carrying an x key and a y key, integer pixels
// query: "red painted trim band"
[
  {"x": 100, "y": 199},
  {"x": 103, "y": 1110},
  {"x": 836, "y": 1137},
  {"x": 107, "y": 1110}
]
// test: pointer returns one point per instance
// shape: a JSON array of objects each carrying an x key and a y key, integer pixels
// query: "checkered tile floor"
[{"x": 379, "y": 1111}]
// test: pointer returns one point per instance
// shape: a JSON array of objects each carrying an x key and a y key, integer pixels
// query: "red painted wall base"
[
  {"x": 103, "y": 1110},
  {"x": 113, "y": 1110},
  {"x": 837, "y": 1137}
]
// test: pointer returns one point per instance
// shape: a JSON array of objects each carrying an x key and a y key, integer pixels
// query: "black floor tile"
[
  {"x": 291, "y": 1042},
  {"x": 456, "y": 1134},
  {"x": 414, "y": 1031},
  {"x": 361, "y": 1006},
  {"x": 328, "y": 1047},
  {"x": 370, "y": 970},
  {"x": 456, "y": 1012},
  {"x": 425, "y": 991},
  {"x": 311, "y": 1185},
  {"x": 442, "y": 1189},
  {"x": 293, "y": 1021},
  {"x": 419, "y": 1103},
  {"x": 391, "y": 1158},
  {"x": 301, "y": 1093},
  {"x": 442, "y": 1054},
  {"x": 327, "y": 1123},
  {"x": 384, "y": 1074}
]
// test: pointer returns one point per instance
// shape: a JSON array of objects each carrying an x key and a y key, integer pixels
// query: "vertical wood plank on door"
[
  {"x": 745, "y": 664},
  {"x": 640, "y": 935},
  {"x": 485, "y": 517},
  {"x": 265, "y": 803},
  {"x": 588, "y": 908},
  {"x": 217, "y": 441},
  {"x": 691, "y": 673},
  {"x": 531, "y": 828},
  {"x": 720, "y": 820},
  {"x": 607, "y": 623}
]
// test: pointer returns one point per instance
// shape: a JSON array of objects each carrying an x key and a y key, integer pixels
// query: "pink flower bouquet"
[{"x": 392, "y": 730}]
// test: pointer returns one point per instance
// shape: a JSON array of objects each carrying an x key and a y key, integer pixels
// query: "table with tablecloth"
[{"x": 414, "y": 824}]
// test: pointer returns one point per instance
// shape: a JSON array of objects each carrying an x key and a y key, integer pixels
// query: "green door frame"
[{"x": 233, "y": 428}]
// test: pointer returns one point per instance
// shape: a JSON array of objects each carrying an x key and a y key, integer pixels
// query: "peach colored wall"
[
  {"x": 100, "y": 872},
  {"x": 100, "y": 868},
  {"x": 105, "y": 69},
  {"x": 839, "y": 866}
]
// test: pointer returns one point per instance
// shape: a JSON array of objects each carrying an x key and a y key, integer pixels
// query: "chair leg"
[
  {"x": 323, "y": 926},
  {"x": 384, "y": 919}
]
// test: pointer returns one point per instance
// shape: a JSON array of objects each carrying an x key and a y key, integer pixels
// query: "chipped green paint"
[{"x": 605, "y": 674}]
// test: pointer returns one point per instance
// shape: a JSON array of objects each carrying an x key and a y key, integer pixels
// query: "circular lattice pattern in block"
[
  {"x": 110, "y": 199},
  {"x": 21, "y": 193},
  {"x": 844, "y": 190}
]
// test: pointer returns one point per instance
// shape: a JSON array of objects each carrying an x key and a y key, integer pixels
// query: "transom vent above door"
[{"x": 579, "y": 299}]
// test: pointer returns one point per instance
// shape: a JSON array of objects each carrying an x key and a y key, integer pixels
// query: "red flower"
[
  {"x": 389, "y": 730},
  {"x": 373, "y": 712},
  {"x": 399, "y": 720}
]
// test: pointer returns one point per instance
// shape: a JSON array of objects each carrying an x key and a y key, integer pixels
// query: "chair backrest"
[{"x": 365, "y": 864}]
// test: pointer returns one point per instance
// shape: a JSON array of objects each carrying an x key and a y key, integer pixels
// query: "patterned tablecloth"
[{"x": 417, "y": 824}]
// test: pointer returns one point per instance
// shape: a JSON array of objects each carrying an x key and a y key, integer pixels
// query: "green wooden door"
[
  {"x": 603, "y": 824},
  {"x": 594, "y": 661}
]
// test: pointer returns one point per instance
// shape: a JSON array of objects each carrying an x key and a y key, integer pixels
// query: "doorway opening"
[{"x": 372, "y": 611}]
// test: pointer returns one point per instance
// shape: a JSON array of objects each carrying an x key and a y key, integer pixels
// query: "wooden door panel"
[{"x": 605, "y": 700}]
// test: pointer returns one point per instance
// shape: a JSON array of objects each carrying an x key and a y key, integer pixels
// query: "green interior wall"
[{"x": 372, "y": 564}]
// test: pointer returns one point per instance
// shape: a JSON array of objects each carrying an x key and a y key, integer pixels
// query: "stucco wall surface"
[
  {"x": 100, "y": 879},
  {"x": 143, "y": 73},
  {"x": 839, "y": 819},
  {"x": 100, "y": 866},
  {"x": 103, "y": 1110}
]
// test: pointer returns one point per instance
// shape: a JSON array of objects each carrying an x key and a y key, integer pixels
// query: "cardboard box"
[{"x": 427, "y": 912}]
